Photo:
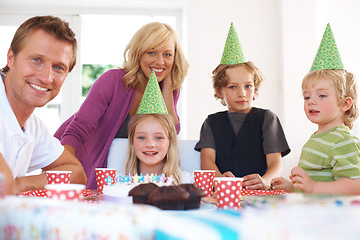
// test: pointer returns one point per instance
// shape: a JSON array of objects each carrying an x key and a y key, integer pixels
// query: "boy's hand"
[
  {"x": 281, "y": 183},
  {"x": 228, "y": 174},
  {"x": 302, "y": 180},
  {"x": 254, "y": 182}
]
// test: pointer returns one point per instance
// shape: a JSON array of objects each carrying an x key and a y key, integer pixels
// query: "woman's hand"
[
  {"x": 167, "y": 84},
  {"x": 167, "y": 92}
]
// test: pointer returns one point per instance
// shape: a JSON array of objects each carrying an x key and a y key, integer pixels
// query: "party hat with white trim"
[
  {"x": 233, "y": 53},
  {"x": 327, "y": 56},
  {"x": 152, "y": 101}
]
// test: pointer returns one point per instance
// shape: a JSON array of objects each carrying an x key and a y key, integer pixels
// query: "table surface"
[{"x": 289, "y": 216}]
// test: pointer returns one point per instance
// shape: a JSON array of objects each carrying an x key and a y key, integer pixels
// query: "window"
[
  {"x": 50, "y": 113},
  {"x": 102, "y": 40}
]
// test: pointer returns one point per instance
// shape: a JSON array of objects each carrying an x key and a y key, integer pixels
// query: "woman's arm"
[
  {"x": 168, "y": 94},
  {"x": 77, "y": 131}
]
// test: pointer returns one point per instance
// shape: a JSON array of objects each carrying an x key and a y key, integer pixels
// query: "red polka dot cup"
[
  {"x": 58, "y": 177},
  {"x": 68, "y": 192},
  {"x": 228, "y": 192},
  {"x": 104, "y": 176},
  {"x": 204, "y": 179}
]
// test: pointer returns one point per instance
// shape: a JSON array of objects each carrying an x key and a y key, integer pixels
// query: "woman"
[{"x": 115, "y": 96}]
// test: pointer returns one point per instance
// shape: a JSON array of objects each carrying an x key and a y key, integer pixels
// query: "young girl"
[{"x": 153, "y": 147}]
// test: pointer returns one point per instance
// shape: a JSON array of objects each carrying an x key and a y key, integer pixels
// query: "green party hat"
[
  {"x": 327, "y": 56},
  {"x": 233, "y": 53},
  {"x": 152, "y": 101}
]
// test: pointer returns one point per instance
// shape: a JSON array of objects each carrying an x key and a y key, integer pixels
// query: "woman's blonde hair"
[
  {"x": 150, "y": 36},
  {"x": 172, "y": 159},
  {"x": 220, "y": 78},
  {"x": 345, "y": 86}
]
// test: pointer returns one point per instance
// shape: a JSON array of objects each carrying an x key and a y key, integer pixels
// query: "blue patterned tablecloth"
[{"x": 290, "y": 217}]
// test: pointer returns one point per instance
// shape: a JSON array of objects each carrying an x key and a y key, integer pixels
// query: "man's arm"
[
  {"x": 71, "y": 149},
  {"x": 66, "y": 161},
  {"x": 9, "y": 179}
]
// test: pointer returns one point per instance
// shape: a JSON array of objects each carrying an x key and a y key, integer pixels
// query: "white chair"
[{"x": 190, "y": 159}]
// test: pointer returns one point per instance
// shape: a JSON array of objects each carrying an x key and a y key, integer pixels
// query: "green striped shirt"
[{"x": 331, "y": 155}]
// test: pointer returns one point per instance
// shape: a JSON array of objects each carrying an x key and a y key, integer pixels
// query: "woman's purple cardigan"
[{"x": 92, "y": 129}]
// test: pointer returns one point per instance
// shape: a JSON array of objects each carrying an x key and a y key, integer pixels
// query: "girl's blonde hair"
[
  {"x": 220, "y": 78},
  {"x": 153, "y": 35},
  {"x": 345, "y": 86},
  {"x": 172, "y": 159}
]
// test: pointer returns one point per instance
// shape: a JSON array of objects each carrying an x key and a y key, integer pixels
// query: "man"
[{"x": 42, "y": 53}]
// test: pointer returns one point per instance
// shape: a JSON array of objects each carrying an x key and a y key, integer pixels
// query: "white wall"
[
  {"x": 280, "y": 36},
  {"x": 299, "y": 41},
  {"x": 257, "y": 23},
  {"x": 303, "y": 25}
]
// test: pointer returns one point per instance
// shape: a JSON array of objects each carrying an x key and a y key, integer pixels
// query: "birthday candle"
[
  {"x": 130, "y": 178},
  {"x": 126, "y": 179},
  {"x": 156, "y": 178},
  {"x": 109, "y": 180},
  {"x": 146, "y": 178},
  {"x": 141, "y": 178},
  {"x": 136, "y": 178},
  {"x": 123, "y": 179},
  {"x": 170, "y": 179},
  {"x": 118, "y": 179},
  {"x": 162, "y": 178}
]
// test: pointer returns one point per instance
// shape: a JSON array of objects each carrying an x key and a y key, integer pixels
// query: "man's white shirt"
[{"x": 27, "y": 149}]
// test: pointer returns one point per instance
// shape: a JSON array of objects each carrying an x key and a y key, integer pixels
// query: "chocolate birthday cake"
[{"x": 178, "y": 197}]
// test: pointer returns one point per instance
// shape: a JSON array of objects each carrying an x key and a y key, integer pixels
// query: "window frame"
[{"x": 71, "y": 90}]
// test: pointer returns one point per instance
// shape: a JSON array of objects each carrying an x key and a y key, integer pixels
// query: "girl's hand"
[
  {"x": 254, "y": 182},
  {"x": 281, "y": 183},
  {"x": 302, "y": 180}
]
